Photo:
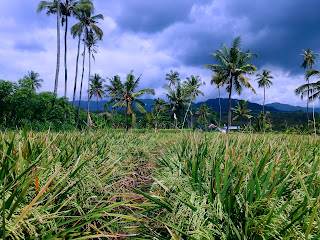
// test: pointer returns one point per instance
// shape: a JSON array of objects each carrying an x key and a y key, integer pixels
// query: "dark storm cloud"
[
  {"x": 276, "y": 30},
  {"x": 153, "y": 16},
  {"x": 291, "y": 26}
]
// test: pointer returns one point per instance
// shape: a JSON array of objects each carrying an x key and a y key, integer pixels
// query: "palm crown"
[
  {"x": 264, "y": 79},
  {"x": 126, "y": 95},
  {"x": 192, "y": 85},
  {"x": 96, "y": 87},
  {"x": 241, "y": 110},
  {"x": 308, "y": 58},
  {"x": 203, "y": 111},
  {"x": 33, "y": 77}
]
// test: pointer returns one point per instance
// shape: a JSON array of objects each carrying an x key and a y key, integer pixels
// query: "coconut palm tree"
[
  {"x": 241, "y": 110},
  {"x": 177, "y": 98},
  {"x": 69, "y": 7},
  {"x": 191, "y": 87},
  {"x": 172, "y": 78},
  {"x": 85, "y": 22},
  {"x": 90, "y": 42},
  {"x": 265, "y": 82},
  {"x": 159, "y": 107},
  {"x": 96, "y": 87},
  {"x": 65, "y": 8},
  {"x": 203, "y": 111},
  {"x": 128, "y": 97},
  {"x": 114, "y": 90},
  {"x": 235, "y": 64},
  {"x": 313, "y": 88},
  {"x": 218, "y": 79},
  {"x": 33, "y": 77},
  {"x": 52, "y": 8},
  {"x": 307, "y": 64}
]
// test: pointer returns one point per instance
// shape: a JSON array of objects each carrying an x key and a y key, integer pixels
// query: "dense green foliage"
[{"x": 21, "y": 105}]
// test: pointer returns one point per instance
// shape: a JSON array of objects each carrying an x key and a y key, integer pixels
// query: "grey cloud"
[{"x": 153, "y": 16}]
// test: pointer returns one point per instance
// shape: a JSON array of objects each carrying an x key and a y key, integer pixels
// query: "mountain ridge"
[{"x": 213, "y": 103}]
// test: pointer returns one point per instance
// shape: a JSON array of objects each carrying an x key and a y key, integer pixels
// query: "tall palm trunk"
[
  {"x": 176, "y": 125},
  {"x": 229, "y": 111},
  {"x": 191, "y": 117},
  {"x": 127, "y": 117},
  {"x": 65, "y": 58},
  {"x": 58, "y": 50},
  {"x": 308, "y": 107},
  {"x": 98, "y": 102},
  {"x": 84, "y": 55},
  {"x": 185, "y": 116},
  {"x": 314, "y": 119},
  {"x": 219, "y": 107},
  {"x": 264, "y": 98},
  {"x": 89, "y": 85},
  {"x": 76, "y": 75}
]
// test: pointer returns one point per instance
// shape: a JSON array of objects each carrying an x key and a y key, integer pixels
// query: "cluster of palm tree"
[
  {"x": 125, "y": 94},
  {"x": 86, "y": 29},
  {"x": 231, "y": 67},
  {"x": 230, "y": 70},
  {"x": 181, "y": 94},
  {"x": 309, "y": 90}
]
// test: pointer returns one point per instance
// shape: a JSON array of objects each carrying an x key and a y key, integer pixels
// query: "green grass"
[{"x": 158, "y": 185}]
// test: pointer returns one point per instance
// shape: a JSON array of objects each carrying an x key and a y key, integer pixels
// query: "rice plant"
[
  {"x": 237, "y": 187},
  {"x": 68, "y": 185}
]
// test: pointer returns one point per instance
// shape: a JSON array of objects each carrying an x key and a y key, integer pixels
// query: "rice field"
[{"x": 107, "y": 184}]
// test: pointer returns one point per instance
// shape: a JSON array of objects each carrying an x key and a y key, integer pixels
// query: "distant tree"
[
  {"x": 114, "y": 90},
  {"x": 265, "y": 82},
  {"x": 313, "y": 88},
  {"x": 191, "y": 86},
  {"x": 172, "y": 78},
  {"x": 262, "y": 123},
  {"x": 203, "y": 112},
  {"x": 235, "y": 64},
  {"x": 177, "y": 98},
  {"x": 241, "y": 111},
  {"x": 96, "y": 87},
  {"x": 158, "y": 109},
  {"x": 33, "y": 77},
  {"x": 307, "y": 64},
  {"x": 218, "y": 79},
  {"x": 128, "y": 96}
]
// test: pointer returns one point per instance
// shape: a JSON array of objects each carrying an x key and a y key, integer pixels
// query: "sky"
[{"x": 154, "y": 37}]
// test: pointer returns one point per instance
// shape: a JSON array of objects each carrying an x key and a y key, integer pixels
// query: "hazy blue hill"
[
  {"x": 289, "y": 108},
  {"x": 93, "y": 104},
  {"x": 214, "y": 104}
]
